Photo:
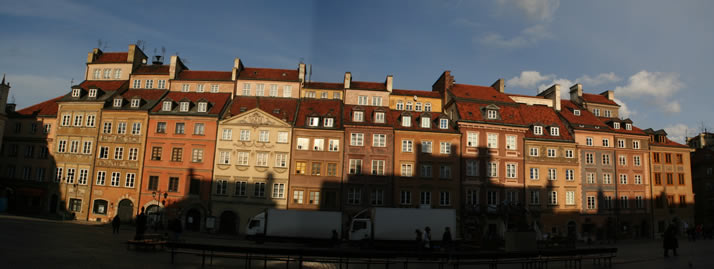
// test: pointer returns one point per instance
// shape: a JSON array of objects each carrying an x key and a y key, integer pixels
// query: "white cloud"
[
  {"x": 678, "y": 132},
  {"x": 599, "y": 79},
  {"x": 534, "y": 79},
  {"x": 528, "y": 79},
  {"x": 534, "y": 9},
  {"x": 529, "y": 36},
  {"x": 625, "y": 111},
  {"x": 659, "y": 87}
]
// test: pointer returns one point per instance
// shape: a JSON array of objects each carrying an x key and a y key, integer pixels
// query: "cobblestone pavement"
[{"x": 38, "y": 243}]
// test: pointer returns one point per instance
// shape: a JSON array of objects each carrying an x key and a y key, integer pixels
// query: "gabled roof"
[
  {"x": 479, "y": 93},
  {"x": 474, "y": 112},
  {"x": 282, "y": 108},
  {"x": 599, "y": 99},
  {"x": 152, "y": 70},
  {"x": 111, "y": 57},
  {"x": 216, "y": 101},
  {"x": 431, "y": 94},
  {"x": 586, "y": 118},
  {"x": 667, "y": 143},
  {"x": 368, "y": 115},
  {"x": 324, "y": 85},
  {"x": 544, "y": 116},
  {"x": 46, "y": 108},
  {"x": 149, "y": 98},
  {"x": 434, "y": 117},
  {"x": 635, "y": 130},
  {"x": 205, "y": 75},
  {"x": 320, "y": 107},
  {"x": 269, "y": 74},
  {"x": 365, "y": 85},
  {"x": 107, "y": 87}
]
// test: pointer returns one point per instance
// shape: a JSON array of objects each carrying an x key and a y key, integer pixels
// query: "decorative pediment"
[{"x": 255, "y": 118}]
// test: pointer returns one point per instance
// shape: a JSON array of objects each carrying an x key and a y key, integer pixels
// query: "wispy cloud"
[
  {"x": 530, "y": 79},
  {"x": 658, "y": 87},
  {"x": 539, "y": 14},
  {"x": 538, "y": 10},
  {"x": 625, "y": 111},
  {"x": 598, "y": 80},
  {"x": 678, "y": 132},
  {"x": 529, "y": 36}
]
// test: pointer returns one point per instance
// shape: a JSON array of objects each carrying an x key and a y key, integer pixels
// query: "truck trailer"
[
  {"x": 400, "y": 224},
  {"x": 297, "y": 224}
]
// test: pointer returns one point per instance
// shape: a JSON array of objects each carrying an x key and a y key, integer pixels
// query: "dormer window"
[
  {"x": 443, "y": 123},
  {"x": 400, "y": 105},
  {"x": 184, "y": 106},
  {"x": 407, "y": 121},
  {"x": 492, "y": 114},
  {"x": 628, "y": 126},
  {"x": 135, "y": 102},
  {"x": 425, "y": 122},
  {"x": 409, "y": 106},
  {"x": 616, "y": 125},
  {"x": 166, "y": 106},
  {"x": 329, "y": 122},
  {"x": 576, "y": 112},
  {"x": 93, "y": 93},
  {"x": 554, "y": 131},
  {"x": 378, "y": 117},
  {"x": 202, "y": 106},
  {"x": 76, "y": 92},
  {"x": 538, "y": 130},
  {"x": 313, "y": 121},
  {"x": 358, "y": 116},
  {"x": 117, "y": 102}
]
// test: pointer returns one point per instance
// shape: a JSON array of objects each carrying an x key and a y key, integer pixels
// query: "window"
[
  {"x": 75, "y": 205},
  {"x": 184, "y": 106},
  {"x": 259, "y": 189},
  {"x": 471, "y": 139},
  {"x": 425, "y": 122},
  {"x": 129, "y": 180},
  {"x": 605, "y": 142},
  {"x": 407, "y": 145},
  {"x": 658, "y": 178},
  {"x": 241, "y": 187},
  {"x": 279, "y": 190},
  {"x": 591, "y": 202},
  {"x": 121, "y": 128},
  {"x": 378, "y": 167},
  {"x": 425, "y": 198},
  {"x": 202, "y": 106},
  {"x": 615, "y": 125},
  {"x": 606, "y": 159},
  {"x": 551, "y": 153},
  {"x": 400, "y": 105},
  {"x": 445, "y": 148},
  {"x": 492, "y": 169},
  {"x": 176, "y": 154},
  {"x": 324, "y": 95},
  {"x": 623, "y": 160},
  {"x": 78, "y": 120},
  {"x": 118, "y": 153},
  {"x": 426, "y": 170},
  {"x": 197, "y": 156},
  {"x": 538, "y": 130},
  {"x": 225, "y": 157},
  {"x": 332, "y": 169},
  {"x": 569, "y": 153},
  {"x": 282, "y": 137},
  {"x": 287, "y": 91},
  {"x": 492, "y": 141},
  {"x": 407, "y": 170},
  {"x": 535, "y": 197},
  {"x": 427, "y": 107},
  {"x": 621, "y": 143},
  {"x": 553, "y": 198},
  {"x": 133, "y": 154},
  {"x": 358, "y": 116},
  {"x": 554, "y": 131},
  {"x": 589, "y": 158},
  {"x": 426, "y": 146},
  {"x": 330, "y": 122},
  {"x": 589, "y": 141},
  {"x": 93, "y": 93},
  {"x": 48, "y": 128},
  {"x": 680, "y": 178},
  {"x": 492, "y": 114},
  {"x": 246, "y": 89},
  {"x": 103, "y": 152},
  {"x": 107, "y": 73},
  {"x": 679, "y": 158},
  {"x": 638, "y": 179},
  {"x": 136, "y": 128},
  {"x": 492, "y": 198},
  {"x": 313, "y": 121},
  {"x": 511, "y": 142},
  {"x": 336, "y": 95},
  {"x": 58, "y": 174},
  {"x": 376, "y": 100},
  {"x": 101, "y": 177},
  {"x": 260, "y": 90},
  {"x": 333, "y": 145},
  {"x": 355, "y": 167},
  {"x": 173, "y": 184},
  {"x": 97, "y": 73},
  {"x": 670, "y": 179},
  {"x": 636, "y": 145},
  {"x": 354, "y": 196},
  {"x": 245, "y": 135},
  {"x": 409, "y": 106},
  {"x": 379, "y": 140},
  {"x": 406, "y": 121},
  {"x": 639, "y": 203},
  {"x": 303, "y": 143},
  {"x": 377, "y": 197},
  {"x": 30, "y": 151},
  {"x": 273, "y": 90},
  {"x": 417, "y": 106},
  {"x": 356, "y": 139},
  {"x": 569, "y": 174},
  {"x": 300, "y": 167},
  {"x": 155, "y": 153},
  {"x": 70, "y": 175},
  {"x": 552, "y": 174},
  {"x": 623, "y": 179},
  {"x": 628, "y": 126},
  {"x": 160, "y": 127},
  {"x": 150, "y": 84},
  {"x": 61, "y": 147},
  {"x": 166, "y": 106},
  {"x": 606, "y": 179},
  {"x": 534, "y": 173},
  {"x": 180, "y": 128},
  {"x": 576, "y": 112},
  {"x": 298, "y": 197},
  {"x": 261, "y": 159},
  {"x": 87, "y": 148},
  {"x": 445, "y": 172},
  {"x": 66, "y": 118},
  {"x": 362, "y": 100},
  {"x": 624, "y": 203},
  {"x": 117, "y": 102},
  {"x": 281, "y": 160},
  {"x": 115, "y": 179},
  {"x": 655, "y": 157},
  {"x": 83, "y": 174},
  {"x": 318, "y": 144},
  {"x": 162, "y": 84},
  {"x": 596, "y": 111},
  {"x": 264, "y": 136}
]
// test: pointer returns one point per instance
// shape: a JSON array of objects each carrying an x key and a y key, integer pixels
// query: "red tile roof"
[
  {"x": 269, "y": 74},
  {"x": 104, "y": 85},
  {"x": 368, "y": 115},
  {"x": 152, "y": 70},
  {"x": 46, "y": 108},
  {"x": 205, "y": 75},
  {"x": 364, "y": 85},
  {"x": 324, "y": 85},
  {"x": 147, "y": 95},
  {"x": 396, "y": 115},
  {"x": 470, "y": 111},
  {"x": 285, "y": 107},
  {"x": 216, "y": 100},
  {"x": 586, "y": 118},
  {"x": 112, "y": 57},
  {"x": 320, "y": 107},
  {"x": 545, "y": 116},
  {"x": 523, "y": 95},
  {"x": 480, "y": 93},
  {"x": 667, "y": 143},
  {"x": 596, "y": 98},
  {"x": 417, "y": 93},
  {"x": 635, "y": 130}
]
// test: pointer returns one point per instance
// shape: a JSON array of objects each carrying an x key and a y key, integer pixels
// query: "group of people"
[{"x": 423, "y": 239}]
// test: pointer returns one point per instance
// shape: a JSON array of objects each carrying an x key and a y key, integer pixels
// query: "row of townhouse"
[{"x": 214, "y": 148}]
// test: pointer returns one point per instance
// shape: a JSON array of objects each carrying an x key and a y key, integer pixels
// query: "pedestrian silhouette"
[
  {"x": 670, "y": 241},
  {"x": 140, "y": 225},
  {"x": 427, "y": 238},
  {"x": 446, "y": 239},
  {"x": 116, "y": 222}
]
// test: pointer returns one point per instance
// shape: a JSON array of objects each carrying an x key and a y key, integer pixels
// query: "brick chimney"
[
  {"x": 176, "y": 66},
  {"x": 499, "y": 85},
  {"x": 389, "y": 82},
  {"x": 237, "y": 67},
  {"x": 443, "y": 83},
  {"x": 136, "y": 56},
  {"x": 553, "y": 93},
  {"x": 93, "y": 55},
  {"x": 348, "y": 79},
  {"x": 301, "y": 73},
  {"x": 609, "y": 94},
  {"x": 576, "y": 93}
]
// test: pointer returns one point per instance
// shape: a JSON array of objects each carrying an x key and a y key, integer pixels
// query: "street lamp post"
[{"x": 161, "y": 203}]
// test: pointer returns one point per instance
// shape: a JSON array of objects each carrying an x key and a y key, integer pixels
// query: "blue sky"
[{"x": 655, "y": 54}]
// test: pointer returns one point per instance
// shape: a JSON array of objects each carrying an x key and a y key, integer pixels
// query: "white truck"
[
  {"x": 400, "y": 224},
  {"x": 297, "y": 224}
]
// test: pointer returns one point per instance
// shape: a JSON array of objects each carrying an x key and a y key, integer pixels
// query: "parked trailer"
[
  {"x": 295, "y": 224},
  {"x": 400, "y": 224}
]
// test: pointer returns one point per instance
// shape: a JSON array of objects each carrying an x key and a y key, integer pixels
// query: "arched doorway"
[
  {"x": 193, "y": 220},
  {"x": 53, "y": 203},
  {"x": 153, "y": 215},
  {"x": 228, "y": 223},
  {"x": 126, "y": 210}
]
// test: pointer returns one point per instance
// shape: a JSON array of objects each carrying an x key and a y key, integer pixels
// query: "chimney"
[
  {"x": 348, "y": 79},
  {"x": 444, "y": 83},
  {"x": 301, "y": 72},
  {"x": 237, "y": 67},
  {"x": 175, "y": 67},
  {"x": 92, "y": 55},
  {"x": 499, "y": 85},
  {"x": 576, "y": 92},
  {"x": 390, "y": 80},
  {"x": 609, "y": 94},
  {"x": 553, "y": 93}
]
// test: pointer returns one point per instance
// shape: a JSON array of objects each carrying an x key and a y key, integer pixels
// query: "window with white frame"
[
  {"x": 400, "y": 105},
  {"x": 378, "y": 167},
  {"x": 616, "y": 125},
  {"x": 552, "y": 174},
  {"x": 405, "y": 198},
  {"x": 638, "y": 179},
  {"x": 214, "y": 88},
  {"x": 606, "y": 179},
  {"x": 534, "y": 173},
  {"x": 621, "y": 143},
  {"x": 161, "y": 84},
  {"x": 425, "y": 198},
  {"x": 261, "y": 159},
  {"x": 471, "y": 139},
  {"x": 407, "y": 145},
  {"x": 362, "y": 100},
  {"x": 554, "y": 131},
  {"x": 246, "y": 89},
  {"x": 471, "y": 168},
  {"x": 553, "y": 198},
  {"x": 78, "y": 119},
  {"x": 281, "y": 160},
  {"x": 329, "y": 122},
  {"x": 445, "y": 148},
  {"x": 313, "y": 121},
  {"x": 376, "y": 100},
  {"x": 589, "y": 141},
  {"x": 444, "y": 198},
  {"x": 149, "y": 83},
  {"x": 605, "y": 142},
  {"x": 623, "y": 159},
  {"x": 511, "y": 170},
  {"x": 569, "y": 153},
  {"x": 570, "y": 198},
  {"x": 569, "y": 174},
  {"x": 355, "y": 167},
  {"x": 273, "y": 90},
  {"x": 606, "y": 159},
  {"x": 407, "y": 170},
  {"x": 287, "y": 91},
  {"x": 426, "y": 146},
  {"x": 225, "y": 157},
  {"x": 608, "y": 113},
  {"x": 133, "y": 154},
  {"x": 87, "y": 147},
  {"x": 406, "y": 121},
  {"x": 244, "y": 135},
  {"x": 628, "y": 126},
  {"x": 636, "y": 144},
  {"x": 591, "y": 202},
  {"x": 97, "y": 73},
  {"x": 136, "y": 84},
  {"x": 129, "y": 180},
  {"x": 184, "y": 106},
  {"x": 538, "y": 130},
  {"x": 492, "y": 141},
  {"x": 358, "y": 116},
  {"x": 443, "y": 123},
  {"x": 264, "y": 136},
  {"x": 121, "y": 128},
  {"x": 202, "y": 106},
  {"x": 408, "y": 106},
  {"x": 136, "y": 128},
  {"x": 552, "y": 153},
  {"x": 511, "y": 142},
  {"x": 636, "y": 160},
  {"x": 589, "y": 158},
  {"x": 303, "y": 143},
  {"x": 76, "y": 92},
  {"x": 425, "y": 122},
  {"x": 92, "y": 93},
  {"x": 445, "y": 171},
  {"x": 117, "y": 102},
  {"x": 576, "y": 112},
  {"x": 260, "y": 89},
  {"x": 492, "y": 169},
  {"x": 596, "y": 111},
  {"x": 426, "y": 171},
  {"x": 318, "y": 144},
  {"x": 334, "y": 145},
  {"x": 243, "y": 158},
  {"x": 357, "y": 139},
  {"x": 282, "y": 137},
  {"x": 379, "y": 117},
  {"x": 492, "y": 198},
  {"x": 279, "y": 190},
  {"x": 590, "y": 178},
  {"x": 116, "y": 177},
  {"x": 91, "y": 118},
  {"x": 492, "y": 114},
  {"x": 166, "y": 106},
  {"x": 427, "y": 107},
  {"x": 101, "y": 177},
  {"x": 417, "y": 106},
  {"x": 379, "y": 140},
  {"x": 226, "y": 134},
  {"x": 324, "y": 95},
  {"x": 535, "y": 197}
]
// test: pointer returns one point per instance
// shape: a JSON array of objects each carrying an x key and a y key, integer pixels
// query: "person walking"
[
  {"x": 446, "y": 240},
  {"x": 419, "y": 245},
  {"x": 670, "y": 241},
  {"x": 116, "y": 222},
  {"x": 427, "y": 238},
  {"x": 140, "y": 225}
]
